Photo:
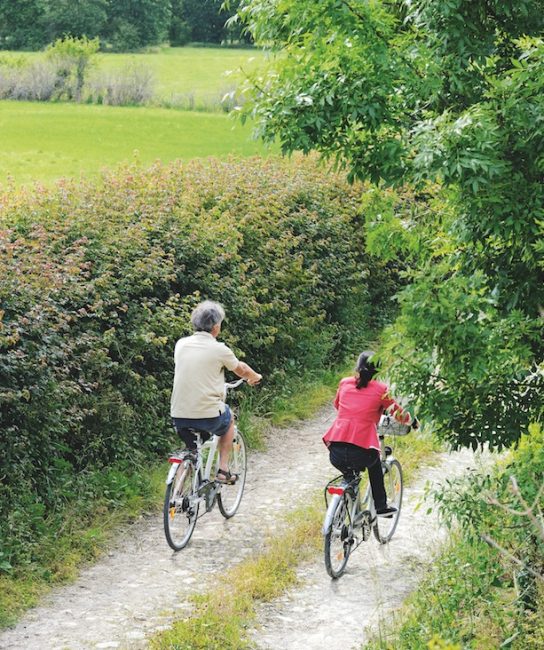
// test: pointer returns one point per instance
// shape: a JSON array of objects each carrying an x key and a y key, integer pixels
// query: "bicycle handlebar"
[
  {"x": 388, "y": 425},
  {"x": 233, "y": 384}
]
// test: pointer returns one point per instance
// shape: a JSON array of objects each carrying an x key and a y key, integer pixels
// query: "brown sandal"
[{"x": 229, "y": 479}]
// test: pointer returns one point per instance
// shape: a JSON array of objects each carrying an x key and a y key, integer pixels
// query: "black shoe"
[{"x": 388, "y": 512}]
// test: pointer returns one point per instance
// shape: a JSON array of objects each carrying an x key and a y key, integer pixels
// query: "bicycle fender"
[
  {"x": 172, "y": 472},
  {"x": 327, "y": 523},
  {"x": 390, "y": 458}
]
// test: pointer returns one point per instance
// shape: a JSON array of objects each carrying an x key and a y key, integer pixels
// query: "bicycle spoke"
[
  {"x": 338, "y": 542},
  {"x": 181, "y": 504},
  {"x": 385, "y": 527},
  {"x": 230, "y": 496}
]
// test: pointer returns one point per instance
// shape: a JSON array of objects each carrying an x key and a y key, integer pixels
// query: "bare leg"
[{"x": 225, "y": 445}]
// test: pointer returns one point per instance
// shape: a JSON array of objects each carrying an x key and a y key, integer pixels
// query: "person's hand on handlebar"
[
  {"x": 254, "y": 379},
  {"x": 246, "y": 372}
]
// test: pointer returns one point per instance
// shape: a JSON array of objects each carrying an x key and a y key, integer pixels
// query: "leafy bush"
[
  {"x": 72, "y": 58},
  {"x": 491, "y": 505},
  {"x": 97, "y": 281}
]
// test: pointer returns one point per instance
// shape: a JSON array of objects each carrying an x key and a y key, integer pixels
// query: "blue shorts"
[{"x": 217, "y": 426}]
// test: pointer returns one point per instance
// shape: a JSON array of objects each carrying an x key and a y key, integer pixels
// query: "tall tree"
[
  {"x": 120, "y": 24},
  {"x": 21, "y": 24},
  {"x": 137, "y": 23},
  {"x": 416, "y": 91},
  {"x": 76, "y": 18},
  {"x": 205, "y": 21}
]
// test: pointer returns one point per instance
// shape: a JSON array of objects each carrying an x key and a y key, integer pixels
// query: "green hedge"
[{"x": 97, "y": 281}]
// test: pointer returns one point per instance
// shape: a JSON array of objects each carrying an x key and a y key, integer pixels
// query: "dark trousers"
[{"x": 350, "y": 459}]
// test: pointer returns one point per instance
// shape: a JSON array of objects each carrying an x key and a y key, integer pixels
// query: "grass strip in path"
[{"x": 223, "y": 615}]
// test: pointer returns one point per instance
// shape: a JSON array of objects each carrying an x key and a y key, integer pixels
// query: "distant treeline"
[{"x": 120, "y": 25}]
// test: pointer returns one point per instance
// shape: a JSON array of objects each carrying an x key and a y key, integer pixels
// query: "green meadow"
[
  {"x": 46, "y": 141},
  {"x": 206, "y": 72}
]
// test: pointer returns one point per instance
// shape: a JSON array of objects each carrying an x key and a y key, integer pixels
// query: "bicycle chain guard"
[{"x": 209, "y": 491}]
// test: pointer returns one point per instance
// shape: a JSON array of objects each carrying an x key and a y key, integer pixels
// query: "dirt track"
[
  {"x": 325, "y": 614},
  {"x": 140, "y": 585}
]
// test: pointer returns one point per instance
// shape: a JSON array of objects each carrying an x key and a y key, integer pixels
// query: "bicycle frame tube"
[
  {"x": 370, "y": 505},
  {"x": 212, "y": 444}
]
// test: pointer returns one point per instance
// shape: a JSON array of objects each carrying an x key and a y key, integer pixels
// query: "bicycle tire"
[
  {"x": 384, "y": 527},
  {"x": 230, "y": 496},
  {"x": 337, "y": 542},
  {"x": 180, "y": 510}
]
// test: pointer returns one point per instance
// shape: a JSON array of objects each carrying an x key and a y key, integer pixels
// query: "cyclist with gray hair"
[{"x": 199, "y": 382}]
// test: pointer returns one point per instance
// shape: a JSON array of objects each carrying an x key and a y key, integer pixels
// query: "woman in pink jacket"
[{"x": 353, "y": 438}]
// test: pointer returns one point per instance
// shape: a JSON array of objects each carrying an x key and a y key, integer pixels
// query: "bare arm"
[{"x": 247, "y": 373}]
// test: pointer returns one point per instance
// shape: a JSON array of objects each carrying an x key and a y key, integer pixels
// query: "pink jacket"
[{"x": 359, "y": 412}]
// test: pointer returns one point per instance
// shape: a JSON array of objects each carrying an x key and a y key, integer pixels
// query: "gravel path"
[
  {"x": 140, "y": 586},
  {"x": 325, "y": 614}
]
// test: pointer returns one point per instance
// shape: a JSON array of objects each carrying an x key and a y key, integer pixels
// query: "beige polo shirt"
[{"x": 199, "y": 376}]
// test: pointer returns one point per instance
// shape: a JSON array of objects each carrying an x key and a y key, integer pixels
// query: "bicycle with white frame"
[
  {"x": 191, "y": 483},
  {"x": 351, "y": 513}
]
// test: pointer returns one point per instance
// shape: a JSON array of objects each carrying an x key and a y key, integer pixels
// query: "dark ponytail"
[{"x": 365, "y": 368}]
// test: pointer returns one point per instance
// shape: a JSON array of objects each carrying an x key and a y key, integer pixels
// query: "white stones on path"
[
  {"x": 140, "y": 586},
  {"x": 325, "y": 614}
]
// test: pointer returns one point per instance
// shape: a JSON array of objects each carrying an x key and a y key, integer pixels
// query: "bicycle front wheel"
[
  {"x": 338, "y": 542},
  {"x": 181, "y": 505},
  {"x": 385, "y": 527},
  {"x": 230, "y": 496}
]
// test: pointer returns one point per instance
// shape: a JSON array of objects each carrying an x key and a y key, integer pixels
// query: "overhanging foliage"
[{"x": 414, "y": 91}]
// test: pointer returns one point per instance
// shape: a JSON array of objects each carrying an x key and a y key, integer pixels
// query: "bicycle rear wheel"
[
  {"x": 338, "y": 542},
  {"x": 230, "y": 496},
  {"x": 181, "y": 505},
  {"x": 385, "y": 527}
]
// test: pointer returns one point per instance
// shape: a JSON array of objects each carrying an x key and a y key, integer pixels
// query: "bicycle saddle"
[{"x": 188, "y": 436}]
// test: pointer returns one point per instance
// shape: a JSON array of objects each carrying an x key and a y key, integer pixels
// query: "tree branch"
[
  {"x": 527, "y": 511},
  {"x": 511, "y": 557}
]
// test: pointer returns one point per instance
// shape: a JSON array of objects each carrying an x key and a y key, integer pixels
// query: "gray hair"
[{"x": 206, "y": 315}]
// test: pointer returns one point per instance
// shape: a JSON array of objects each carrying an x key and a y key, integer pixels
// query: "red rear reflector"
[
  {"x": 335, "y": 490},
  {"x": 175, "y": 459}
]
